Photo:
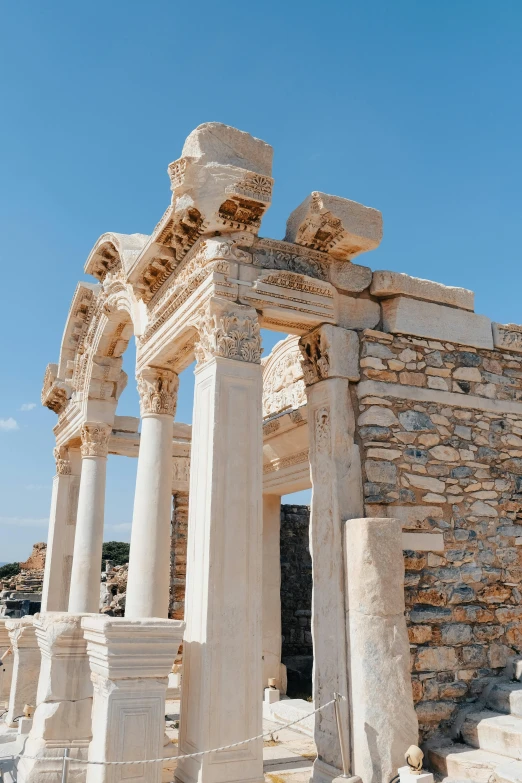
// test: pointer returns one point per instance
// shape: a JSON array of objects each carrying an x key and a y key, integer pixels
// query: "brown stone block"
[{"x": 419, "y": 634}]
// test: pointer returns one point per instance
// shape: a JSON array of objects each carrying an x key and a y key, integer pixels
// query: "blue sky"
[{"x": 411, "y": 107}]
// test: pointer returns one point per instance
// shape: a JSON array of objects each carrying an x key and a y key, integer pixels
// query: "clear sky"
[{"x": 411, "y": 107}]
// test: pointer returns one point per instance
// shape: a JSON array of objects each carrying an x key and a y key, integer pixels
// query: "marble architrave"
[
  {"x": 26, "y": 666},
  {"x": 130, "y": 661},
  {"x": 337, "y": 496},
  {"x": 62, "y": 529},
  {"x": 62, "y": 718},
  {"x": 222, "y": 648}
]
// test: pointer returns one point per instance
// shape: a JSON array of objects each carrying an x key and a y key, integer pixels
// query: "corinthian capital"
[
  {"x": 158, "y": 390},
  {"x": 95, "y": 439},
  {"x": 63, "y": 464},
  {"x": 227, "y": 330}
]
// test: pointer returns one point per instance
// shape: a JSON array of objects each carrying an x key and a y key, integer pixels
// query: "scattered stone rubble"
[{"x": 22, "y": 594}]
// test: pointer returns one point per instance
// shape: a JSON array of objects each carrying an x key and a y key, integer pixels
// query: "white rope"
[{"x": 70, "y": 760}]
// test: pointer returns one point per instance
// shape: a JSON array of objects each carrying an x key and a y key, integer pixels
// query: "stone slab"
[
  {"x": 214, "y": 142},
  {"x": 126, "y": 423},
  {"x": 352, "y": 278},
  {"x": 423, "y": 542},
  {"x": 386, "y": 284},
  {"x": 402, "y": 315},
  {"x": 357, "y": 313},
  {"x": 335, "y": 225},
  {"x": 507, "y": 337}
]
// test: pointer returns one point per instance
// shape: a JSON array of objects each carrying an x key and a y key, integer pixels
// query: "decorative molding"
[
  {"x": 95, "y": 439},
  {"x": 158, "y": 390},
  {"x": 254, "y": 186},
  {"x": 63, "y": 463},
  {"x": 55, "y": 393},
  {"x": 283, "y": 385},
  {"x": 277, "y": 254},
  {"x": 314, "y": 358},
  {"x": 508, "y": 337},
  {"x": 323, "y": 433},
  {"x": 286, "y": 462},
  {"x": 321, "y": 230},
  {"x": 271, "y": 426},
  {"x": 228, "y": 334}
]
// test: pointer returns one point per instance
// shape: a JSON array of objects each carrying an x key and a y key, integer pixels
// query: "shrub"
[
  {"x": 115, "y": 551},
  {"x": 9, "y": 569}
]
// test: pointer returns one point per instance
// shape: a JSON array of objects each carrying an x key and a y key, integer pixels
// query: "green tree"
[
  {"x": 9, "y": 569},
  {"x": 115, "y": 551}
]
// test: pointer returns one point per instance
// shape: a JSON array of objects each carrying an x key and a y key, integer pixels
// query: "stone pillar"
[
  {"x": 222, "y": 649},
  {"x": 130, "y": 661},
  {"x": 62, "y": 529},
  {"x": 148, "y": 585},
  {"x": 330, "y": 361},
  {"x": 84, "y": 594},
  {"x": 272, "y": 592},
  {"x": 26, "y": 666},
  {"x": 63, "y": 701},
  {"x": 178, "y": 555},
  {"x": 383, "y": 716},
  {"x": 6, "y": 667}
]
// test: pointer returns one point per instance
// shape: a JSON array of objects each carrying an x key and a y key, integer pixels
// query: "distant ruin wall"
[{"x": 296, "y": 581}]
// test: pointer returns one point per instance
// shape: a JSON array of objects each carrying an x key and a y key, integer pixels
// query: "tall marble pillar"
[
  {"x": 148, "y": 587},
  {"x": 222, "y": 664},
  {"x": 62, "y": 529},
  {"x": 330, "y": 361},
  {"x": 84, "y": 595},
  {"x": 6, "y": 665},
  {"x": 272, "y": 638}
]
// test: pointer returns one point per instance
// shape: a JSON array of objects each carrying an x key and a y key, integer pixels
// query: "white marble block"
[
  {"x": 26, "y": 666},
  {"x": 222, "y": 690},
  {"x": 6, "y": 666},
  {"x": 272, "y": 638},
  {"x": 402, "y": 315},
  {"x": 383, "y": 717},
  {"x": 63, "y": 701},
  {"x": 130, "y": 661},
  {"x": 386, "y": 284},
  {"x": 335, "y": 225}
]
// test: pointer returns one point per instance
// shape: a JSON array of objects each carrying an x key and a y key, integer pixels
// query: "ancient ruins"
[{"x": 387, "y": 395}]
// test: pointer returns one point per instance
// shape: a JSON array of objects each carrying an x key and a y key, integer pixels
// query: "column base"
[
  {"x": 325, "y": 773},
  {"x": 46, "y": 770},
  {"x": 26, "y": 667}
]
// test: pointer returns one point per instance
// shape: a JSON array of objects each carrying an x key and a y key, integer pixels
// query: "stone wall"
[
  {"x": 296, "y": 581},
  {"x": 447, "y": 457},
  {"x": 178, "y": 555}
]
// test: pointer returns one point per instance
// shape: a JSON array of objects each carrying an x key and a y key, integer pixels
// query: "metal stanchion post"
[
  {"x": 342, "y": 736},
  {"x": 65, "y": 768}
]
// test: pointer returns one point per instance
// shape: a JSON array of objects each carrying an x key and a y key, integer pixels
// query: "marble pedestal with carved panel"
[
  {"x": 130, "y": 661},
  {"x": 63, "y": 702},
  {"x": 26, "y": 666}
]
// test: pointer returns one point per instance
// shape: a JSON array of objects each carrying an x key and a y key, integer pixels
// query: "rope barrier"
[{"x": 71, "y": 760}]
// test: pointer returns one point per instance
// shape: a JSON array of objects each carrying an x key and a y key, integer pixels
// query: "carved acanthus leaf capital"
[
  {"x": 228, "y": 332},
  {"x": 95, "y": 439},
  {"x": 314, "y": 358},
  {"x": 158, "y": 390},
  {"x": 63, "y": 464}
]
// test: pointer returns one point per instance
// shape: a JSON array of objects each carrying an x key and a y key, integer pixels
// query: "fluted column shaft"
[
  {"x": 84, "y": 594},
  {"x": 148, "y": 586}
]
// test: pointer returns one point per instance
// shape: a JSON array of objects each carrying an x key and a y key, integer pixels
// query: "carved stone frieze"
[
  {"x": 55, "y": 393},
  {"x": 286, "y": 462},
  {"x": 63, "y": 463},
  {"x": 158, "y": 390},
  {"x": 277, "y": 254},
  {"x": 283, "y": 384},
  {"x": 329, "y": 352},
  {"x": 228, "y": 332},
  {"x": 508, "y": 337},
  {"x": 95, "y": 439}
]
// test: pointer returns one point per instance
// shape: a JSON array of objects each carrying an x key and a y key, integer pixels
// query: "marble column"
[
  {"x": 62, "y": 529},
  {"x": 130, "y": 661},
  {"x": 222, "y": 648},
  {"x": 63, "y": 702},
  {"x": 148, "y": 589},
  {"x": 26, "y": 666},
  {"x": 84, "y": 595},
  {"x": 6, "y": 666},
  {"x": 272, "y": 638},
  {"x": 330, "y": 361}
]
